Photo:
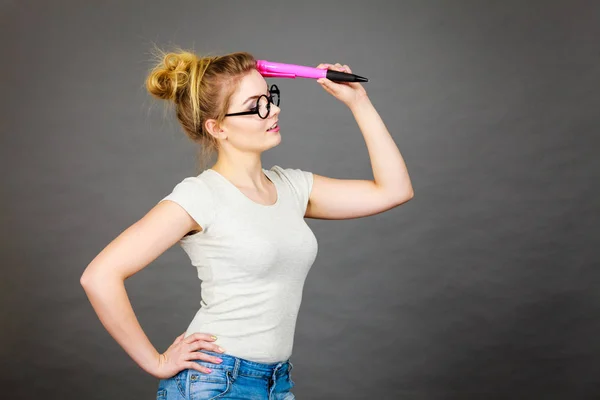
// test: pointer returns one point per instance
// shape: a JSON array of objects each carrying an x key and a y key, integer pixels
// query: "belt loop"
[
  {"x": 271, "y": 385},
  {"x": 275, "y": 371},
  {"x": 236, "y": 368}
]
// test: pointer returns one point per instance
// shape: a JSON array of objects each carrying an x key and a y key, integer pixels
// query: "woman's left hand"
[{"x": 348, "y": 93}]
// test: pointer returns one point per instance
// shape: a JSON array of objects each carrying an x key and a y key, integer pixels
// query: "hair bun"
[{"x": 171, "y": 75}]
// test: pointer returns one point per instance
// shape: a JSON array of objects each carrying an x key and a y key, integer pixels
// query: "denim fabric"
[{"x": 234, "y": 378}]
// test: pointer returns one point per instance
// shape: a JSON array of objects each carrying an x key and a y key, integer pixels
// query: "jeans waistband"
[{"x": 239, "y": 365}]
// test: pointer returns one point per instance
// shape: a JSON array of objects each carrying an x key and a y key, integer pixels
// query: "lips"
[{"x": 274, "y": 125}]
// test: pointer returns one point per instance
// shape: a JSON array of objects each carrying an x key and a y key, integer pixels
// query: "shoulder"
[
  {"x": 299, "y": 181},
  {"x": 194, "y": 194},
  {"x": 194, "y": 186},
  {"x": 291, "y": 174}
]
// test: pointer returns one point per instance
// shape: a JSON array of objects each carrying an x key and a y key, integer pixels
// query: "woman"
[{"x": 242, "y": 227}]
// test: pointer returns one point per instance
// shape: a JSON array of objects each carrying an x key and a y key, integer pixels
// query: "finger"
[
  {"x": 218, "y": 349},
  {"x": 179, "y": 338},
  {"x": 199, "y": 336},
  {"x": 347, "y": 68},
  {"x": 328, "y": 84},
  {"x": 325, "y": 85},
  {"x": 198, "y": 355},
  {"x": 197, "y": 367},
  {"x": 201, "y": 344}
]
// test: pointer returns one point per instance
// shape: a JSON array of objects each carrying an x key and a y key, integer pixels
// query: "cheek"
[
  {"x": 240, "y": 131},
  {"x": 248, "y": 136},
  {"x": 250, "y": 125},
  {"x": 260, "y": 127}
]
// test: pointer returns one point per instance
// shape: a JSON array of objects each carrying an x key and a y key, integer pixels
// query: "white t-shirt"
[{"x": 252, "y": 261}]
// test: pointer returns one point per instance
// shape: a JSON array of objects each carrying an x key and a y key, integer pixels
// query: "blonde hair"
[{"x": 200, "y": 88}]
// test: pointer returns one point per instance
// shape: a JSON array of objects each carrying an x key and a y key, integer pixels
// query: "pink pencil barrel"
[{"x": 275, "y": 69}]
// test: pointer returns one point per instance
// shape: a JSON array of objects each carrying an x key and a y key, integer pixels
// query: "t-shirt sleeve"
[
  {"x": 195, "y": 197},
  {"x": 301, "y": 183}
]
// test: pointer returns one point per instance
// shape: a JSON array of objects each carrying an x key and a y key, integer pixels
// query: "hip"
[{"x": 234, "y": 378}]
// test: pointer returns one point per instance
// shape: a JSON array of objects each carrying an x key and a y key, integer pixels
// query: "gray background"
[{"x": 483, "y": 286}]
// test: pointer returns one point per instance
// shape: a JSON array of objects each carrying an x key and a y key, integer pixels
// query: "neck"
[{"x": 245, "y": 175}]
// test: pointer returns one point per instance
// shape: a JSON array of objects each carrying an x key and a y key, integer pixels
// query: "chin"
[{"x": 276, "y": 136}]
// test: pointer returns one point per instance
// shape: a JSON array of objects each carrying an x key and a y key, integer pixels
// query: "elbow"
[
  {"x": 405, "y": 196},
  {"x": 85, "y": 280},
  {"x": 91, "y": 277},
  {"x": 93, "y": 283}
]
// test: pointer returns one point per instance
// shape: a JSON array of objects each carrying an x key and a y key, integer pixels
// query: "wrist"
[
  {"x": 359, "y": 103},
  {"x": 152, "y": 366}
]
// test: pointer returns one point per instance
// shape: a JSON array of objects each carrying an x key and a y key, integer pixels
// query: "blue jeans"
[{"x": 234, "y": 378}]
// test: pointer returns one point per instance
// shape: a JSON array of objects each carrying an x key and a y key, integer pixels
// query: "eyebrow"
[{"x": 253, "y": 97}]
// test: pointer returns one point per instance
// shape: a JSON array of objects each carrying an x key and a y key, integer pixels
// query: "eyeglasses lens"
[{"x": 263, "y": 109}]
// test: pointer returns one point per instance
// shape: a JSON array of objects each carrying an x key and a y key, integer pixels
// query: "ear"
[{"x": 213, "y": 128}]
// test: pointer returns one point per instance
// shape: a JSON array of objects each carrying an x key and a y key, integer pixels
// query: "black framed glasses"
[{"x": 263, "y": 104}]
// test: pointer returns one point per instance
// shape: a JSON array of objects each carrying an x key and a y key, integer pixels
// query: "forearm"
[
  {"x": 110, "y": 301},
  {"x": 389, "y": 169}
]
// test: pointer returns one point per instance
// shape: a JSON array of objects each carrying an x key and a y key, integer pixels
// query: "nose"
[{"x": 274, "y": 109}]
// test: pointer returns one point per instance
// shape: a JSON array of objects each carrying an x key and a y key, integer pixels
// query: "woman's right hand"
[{"x": 178, "y": 355}]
